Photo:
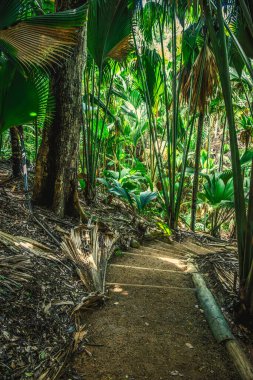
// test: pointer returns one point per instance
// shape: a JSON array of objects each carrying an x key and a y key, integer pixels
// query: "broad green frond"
[
  {"x": 109, "y": 30},
  {"x": 23, "y": 99},
  {"x": 43, "y": 40}
]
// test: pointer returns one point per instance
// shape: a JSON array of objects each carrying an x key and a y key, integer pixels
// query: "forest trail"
[{"x": 152, "y": 327}]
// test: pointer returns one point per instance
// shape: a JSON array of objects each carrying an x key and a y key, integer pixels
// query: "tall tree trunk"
[
  {"x": 248, "y": 261},
  {"x": 196, "y": 170},
  {"x": 57, "y": 163},
  {"x": 16, "y": 152},
  {"x": 215, "y": 27}
]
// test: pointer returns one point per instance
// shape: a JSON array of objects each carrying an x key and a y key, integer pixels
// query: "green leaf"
[
  {"x": 23, "y": 98},
  {"x": 109, "y": 29},
  {"x": 38, "y": 41},
  {"x": 104, "y": 182},
  {"x": 121, "y": 192},
  {"x": 146, "y": 197}
]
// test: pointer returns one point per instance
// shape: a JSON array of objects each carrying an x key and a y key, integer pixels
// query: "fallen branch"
[{"x": 220, "y": 327}]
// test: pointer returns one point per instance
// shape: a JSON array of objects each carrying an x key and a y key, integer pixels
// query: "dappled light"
[
  {"x": 126, "y": 189},
  {"x": 175, "y": 262},
  {"x": 117, "y": 289}
]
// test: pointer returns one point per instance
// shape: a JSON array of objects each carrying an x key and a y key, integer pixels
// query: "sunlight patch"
[{"x": 176, "y": 262}]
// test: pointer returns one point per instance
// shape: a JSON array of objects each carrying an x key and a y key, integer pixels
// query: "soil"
[
  {"x": 39, "y": 289},
  {"x": 152, "y": 326},
  {"x": 35, "y": 314}
]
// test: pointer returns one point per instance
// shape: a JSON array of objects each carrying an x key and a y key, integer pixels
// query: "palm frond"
[
  {"x": 148, "y": 18},
  {"x": 209, "y": 78},
  {"x": 109, "y": 30},
  {"x": 43, "y": 40},
  {"x": 152, "y": 65},
  {"x": 23, "y": 98},
  {"x": 12, "y": 11}
]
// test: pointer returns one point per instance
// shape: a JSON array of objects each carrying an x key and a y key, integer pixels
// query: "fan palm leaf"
[
  {"x": 23, "y": 98},
  {"x": 40, "y": 40},
  {"x": 109, "y": 30},
  {"x": 152, "y": 66}
]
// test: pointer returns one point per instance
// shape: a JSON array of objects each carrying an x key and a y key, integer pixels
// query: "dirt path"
[{"x": 152, "y": 327}]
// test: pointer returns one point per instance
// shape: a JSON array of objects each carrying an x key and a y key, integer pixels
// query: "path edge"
[{"x": 219, "y": 326}]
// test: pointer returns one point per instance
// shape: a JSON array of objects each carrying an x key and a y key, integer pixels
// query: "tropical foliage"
[{"x": 167, "y": 106}]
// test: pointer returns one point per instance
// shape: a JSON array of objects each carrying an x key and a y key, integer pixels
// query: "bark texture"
[
  {"x": 248, "y": 257},
  {"x": 16, "y": 152},
  {"x": 57, "y": 163}
]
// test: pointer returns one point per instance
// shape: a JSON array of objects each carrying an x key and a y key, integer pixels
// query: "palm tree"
[
  {"x": 214, "y": 18},
  {"x": 30, "y": 46},
  {"x": 208, "y": 81},
  {"x": 56, "y": 169},
  {"x": 16, "y": 152}
]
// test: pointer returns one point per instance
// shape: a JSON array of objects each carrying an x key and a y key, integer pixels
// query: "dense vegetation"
[{"x": 146, "y": 101}]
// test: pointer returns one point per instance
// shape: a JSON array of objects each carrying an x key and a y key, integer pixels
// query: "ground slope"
[{"x": 152, "y": 327}]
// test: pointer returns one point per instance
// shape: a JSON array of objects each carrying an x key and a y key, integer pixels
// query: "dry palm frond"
[
  {"x": 72, "y": 246},
  {"x": 120, "y": 51},
  {"x": 226, "y": 268},
  {"x": 37, "y": 44},
  {"x": 19, "y": 244},
  {"x": 83, "y": 261},
  {"x": 14, "y": 270},
  {"x": 192, "y": 77},
  {"x": 39, "y": 41},
  {"x": 90, "y": 300},
  {"x": 59, "y": 361},
  {"x": 90, "y": 263}
]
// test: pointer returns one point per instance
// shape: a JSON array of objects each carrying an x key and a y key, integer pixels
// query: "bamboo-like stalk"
[
  {"x": 166, "y": 102},
  {"x": 247, "y": 16},
  {"x": 99, "y": 141},
  {"x": 1, "y": 143},
  {"x": 219, "y": 43},
  {"x": 236, "y": 43},
  {"x": 175, "y": 114},
  {"x": 196, "y": 170},
  {"x": 248, "y": 255},
  {"x": 36, "y": 132},
  {"x": 152, "y": 125},
  {"x": 220, "y": 327},
  {"x": 190, "y": 127}
]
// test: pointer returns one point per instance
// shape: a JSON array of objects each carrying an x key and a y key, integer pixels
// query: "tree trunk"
[
  {"x": 16, "y": 152},
  {"x": 57, "y": 164},
  {"x": 248, "y": 257},
  {"x": 196, "y": 170}
]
